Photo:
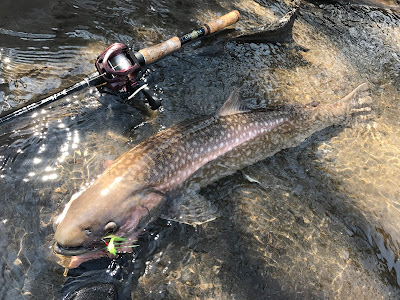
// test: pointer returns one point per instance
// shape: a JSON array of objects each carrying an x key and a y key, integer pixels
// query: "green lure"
[{"x": 115, "y": 243}]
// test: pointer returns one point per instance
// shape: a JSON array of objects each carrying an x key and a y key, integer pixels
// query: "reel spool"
[{"x": 118, "y": 67}]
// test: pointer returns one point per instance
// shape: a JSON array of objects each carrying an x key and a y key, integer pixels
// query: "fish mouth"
[
  {"x": 119, "y": 243},
  {"x": 72, "y": 251}
]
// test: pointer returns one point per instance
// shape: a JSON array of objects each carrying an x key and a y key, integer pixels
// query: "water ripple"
[{"x": 28, "y": 36}]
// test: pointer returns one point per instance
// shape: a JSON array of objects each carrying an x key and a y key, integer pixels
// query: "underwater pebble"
[{"x": 346, "y": 255}]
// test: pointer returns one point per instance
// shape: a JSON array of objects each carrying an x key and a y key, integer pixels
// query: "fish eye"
[
  {"x": 110, "y": 227},
  {"x": 87, "y": 231}
]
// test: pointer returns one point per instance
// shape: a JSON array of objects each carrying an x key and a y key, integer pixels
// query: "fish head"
[{"x": 93, "y": 215}]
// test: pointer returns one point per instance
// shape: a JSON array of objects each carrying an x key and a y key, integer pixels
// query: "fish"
[{"x": 161, "y": 175}]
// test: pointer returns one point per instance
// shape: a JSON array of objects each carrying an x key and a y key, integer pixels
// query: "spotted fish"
[{"x": 141, "y": 183}]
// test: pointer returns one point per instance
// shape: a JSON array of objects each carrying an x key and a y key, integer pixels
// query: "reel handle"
[
  {"x": 153, "y": 53},
  {"x": 153, "y": 101}
]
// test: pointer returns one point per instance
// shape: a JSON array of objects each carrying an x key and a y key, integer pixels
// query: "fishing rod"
[{"x": 118, "y": 68}]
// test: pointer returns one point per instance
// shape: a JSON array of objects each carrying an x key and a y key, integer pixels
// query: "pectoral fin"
[{"x": 191, "y": 209}]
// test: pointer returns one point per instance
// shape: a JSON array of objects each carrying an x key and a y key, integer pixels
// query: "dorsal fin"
[{"x": 232, "y": 106}]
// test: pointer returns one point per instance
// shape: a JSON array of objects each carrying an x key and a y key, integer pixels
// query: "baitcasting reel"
[{"x": 119, "y": 68}]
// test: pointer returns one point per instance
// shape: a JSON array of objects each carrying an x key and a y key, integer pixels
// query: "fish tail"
[
  {"x": 357, "y": 105},
  {"x": 359, "y": 102}
]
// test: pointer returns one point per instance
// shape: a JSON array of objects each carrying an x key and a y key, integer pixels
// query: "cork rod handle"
[
  {"x": 154, "y": 53},
  {"x": 222, "y": 22}
]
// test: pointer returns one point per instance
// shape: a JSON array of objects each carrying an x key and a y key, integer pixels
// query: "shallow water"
[{"x": 317, "y": 221}]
